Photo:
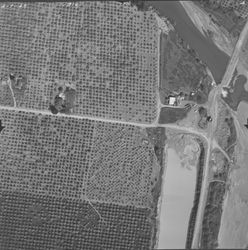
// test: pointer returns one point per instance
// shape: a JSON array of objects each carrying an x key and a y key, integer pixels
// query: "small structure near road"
[{"x": 172, "y": 100}]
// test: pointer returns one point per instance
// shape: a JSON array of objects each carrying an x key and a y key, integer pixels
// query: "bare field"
[{"x": 105, "y": 50}]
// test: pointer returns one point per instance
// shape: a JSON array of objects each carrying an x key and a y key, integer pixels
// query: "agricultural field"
[
  {"x": 54, "y": 168},
  {"x": 44, "y": 222},
  {"x": 72, "y": 158},
  {"x": 105, "y": 51},
  {"x": 44, "y": 154},
  {"x": 92, "y": 180},
  {"x": 124, "y": 167},
  {"x": 181, "y": 70}
]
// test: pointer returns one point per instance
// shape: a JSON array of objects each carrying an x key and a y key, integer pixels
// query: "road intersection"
[
  {"x": 214, "y": 113},
  {"x": 208, "y": 137}
]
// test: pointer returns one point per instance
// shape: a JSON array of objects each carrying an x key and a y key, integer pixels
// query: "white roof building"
[{"x": 172, "y": 100}]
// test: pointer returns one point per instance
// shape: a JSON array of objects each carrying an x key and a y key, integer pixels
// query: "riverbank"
[
  {"x": 215, "y": 59},
  {"x": 193, "y": 215},
  {"x": 219, "y": 35}
]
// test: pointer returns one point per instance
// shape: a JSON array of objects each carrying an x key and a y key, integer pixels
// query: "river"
[
  {"x": 215, "y": 59},
  {"x": 177, "y": 200}
]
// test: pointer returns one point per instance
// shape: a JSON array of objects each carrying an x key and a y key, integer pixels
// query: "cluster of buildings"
[
  {"x": 174, "y": 100},
  {"x": 240, "y": 6}
]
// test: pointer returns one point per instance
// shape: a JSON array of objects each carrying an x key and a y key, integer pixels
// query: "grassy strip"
[
  {"x": 158, "y": 139},
  {"x": 232, "y": 137},
  {"x": 192, "y": 220},
  {"x": 172, "y": 115},
  {"x": 212, "y": 215}
]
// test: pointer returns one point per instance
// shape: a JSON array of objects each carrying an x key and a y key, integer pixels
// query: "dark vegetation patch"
[
  {"x": 202, "y": 123},
  {"x": 225, "y": 133},
  {"x": 236, "y": 94},
  {"x": 1, "y": 126},
  {"x": 193, "y": 214},
  {"x": 44, "y": 222},
  {"x": 141, "y": 5},
  {"x": 158, "y": 138},
  {"x": 181, "y": 70},
  {"x": 231, "y": 140},
  {"x": 63, "y": 101},
  {"x": 204, "y": 118},
  {"x": 212, "y": 215},
  {"x": 172, "y": 115}
]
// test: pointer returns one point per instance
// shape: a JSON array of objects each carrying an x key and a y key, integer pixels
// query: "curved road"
[
  {"x": 214, "y": 113},
  {"x": 208, "y": 137}
]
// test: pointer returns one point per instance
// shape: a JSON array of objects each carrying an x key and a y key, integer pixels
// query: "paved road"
[
  {"x": 235, "y": 57},
  {"x": 214, "y": 113}
]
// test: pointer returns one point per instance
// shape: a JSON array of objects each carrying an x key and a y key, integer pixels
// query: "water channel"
[
  {"x": 179, "y": 183},
  {"x": 177, "y": 201},
  {"x": 215, "y": 59}
]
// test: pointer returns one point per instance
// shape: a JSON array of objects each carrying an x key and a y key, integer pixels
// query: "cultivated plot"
[
  {"x": 106, "y": 51},
  {"x": 68, "y": 157}
]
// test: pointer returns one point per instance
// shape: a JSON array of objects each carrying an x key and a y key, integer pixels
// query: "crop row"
[
  {"x": 43, "y": 222},
  {"x": 106, "y": 50},
  {"x": 68, "y": 157}
]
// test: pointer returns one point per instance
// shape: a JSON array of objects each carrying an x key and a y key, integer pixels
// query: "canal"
[
  {"x": 177, "y": 201},
  {"x": 215, "y": 59}
]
